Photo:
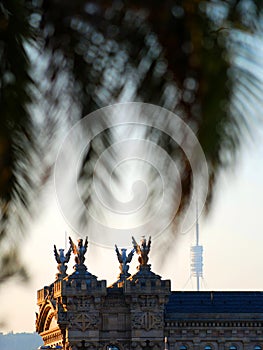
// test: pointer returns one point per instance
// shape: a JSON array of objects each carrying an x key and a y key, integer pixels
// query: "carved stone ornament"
[
  {"x": 148, "y": 321},
  {"x": 84, "y": 321},
  {"x": 147, "y": 301},
  {"x": 142, "y": 344}
]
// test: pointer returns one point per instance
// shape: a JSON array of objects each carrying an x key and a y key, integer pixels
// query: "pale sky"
[{"x": 232, "y": 237}]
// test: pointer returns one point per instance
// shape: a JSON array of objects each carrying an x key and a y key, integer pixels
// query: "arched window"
[
  {"x": 208, "y": 347},
  {"x": 183, "y": 347},
  {"x": 257, "y": 347},
  {"x": 232, "y": 347},
  {"x": 112, "y": 347}
]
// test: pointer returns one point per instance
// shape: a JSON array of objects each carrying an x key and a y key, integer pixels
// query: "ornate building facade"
[{"x": 140, "y": 312}]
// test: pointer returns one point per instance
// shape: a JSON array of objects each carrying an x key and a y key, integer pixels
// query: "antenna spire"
[
  {"x": 197, "y": 255},
  {"x": 197, "y": 225}
]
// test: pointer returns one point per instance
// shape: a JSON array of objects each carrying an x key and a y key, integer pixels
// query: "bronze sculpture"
[
  {"x": 79, "y": 250},
  {"x": 142, "y": 250},
  {"x": 62, "y": 259},
  {"x": 124, "y": 259}
]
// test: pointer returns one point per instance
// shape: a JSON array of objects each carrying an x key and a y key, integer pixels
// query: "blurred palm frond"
[{"x": 61, "y": 60}]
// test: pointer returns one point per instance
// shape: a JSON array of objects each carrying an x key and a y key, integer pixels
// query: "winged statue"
[
  {"x": 142, "y": 249},
  {"x": 79, "y": 250},
  {"x": 123, "y": 259},
  {"x": 62, "y": 259}
]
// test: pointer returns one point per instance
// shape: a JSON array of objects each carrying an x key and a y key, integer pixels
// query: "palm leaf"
[{"x": 199, "y": 59}]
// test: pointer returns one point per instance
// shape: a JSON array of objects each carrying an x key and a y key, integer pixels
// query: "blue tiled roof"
[{"x": 215, "y": 302}]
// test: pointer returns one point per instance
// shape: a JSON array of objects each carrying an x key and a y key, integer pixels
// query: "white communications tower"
[{"x": 197, "y": 257}]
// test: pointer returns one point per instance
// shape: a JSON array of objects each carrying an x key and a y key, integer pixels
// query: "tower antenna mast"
[{"x": 197, "y": 255}]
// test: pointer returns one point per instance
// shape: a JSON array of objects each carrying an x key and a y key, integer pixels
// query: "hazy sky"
[{"x": 232, "y": 237}]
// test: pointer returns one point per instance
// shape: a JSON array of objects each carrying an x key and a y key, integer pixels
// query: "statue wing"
[
  {"x": 67, "y": 256},
  {"x": 86, "y": 242},
  {"x": 129, "y": 257},
  {"x": 73, "y": 246},
  {"x": 136, "y": 246},
  {"x": 56, "y": 255},
  {"x": 149, "y": 243},
  {"x": 118, "y": 254}
]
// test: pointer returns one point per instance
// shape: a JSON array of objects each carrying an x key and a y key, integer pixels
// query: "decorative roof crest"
[
  {"x": 61, "y": 259},
  {"x": 142, "y": 249},
  {"x": 79, "y": 251},
  {"x": 124, "y": 260}
]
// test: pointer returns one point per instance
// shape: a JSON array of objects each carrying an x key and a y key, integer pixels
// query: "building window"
[
  {"x": 257, "y": 347},
  {"x": 112, "y": 347},
  {"x": 232, "y": 347},
  {"x": 183, "y": 347},
  {"x": 208, "y": 347}
]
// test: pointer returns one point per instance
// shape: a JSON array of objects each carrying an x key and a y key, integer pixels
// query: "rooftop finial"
[
  {"x": 79, "y": 251},
  {"x": 62, "y": 259},
  {"x": 124, "y": 260},
  {"x": 142, "y": 250}
]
